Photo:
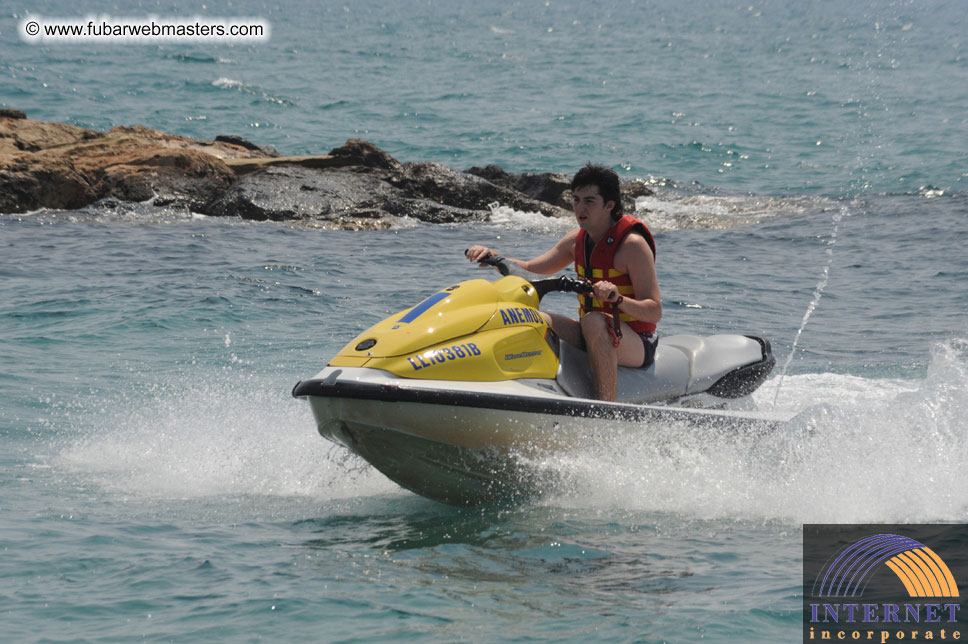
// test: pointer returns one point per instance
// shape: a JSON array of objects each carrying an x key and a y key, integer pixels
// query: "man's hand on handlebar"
[{"x": 477, "y": 253}]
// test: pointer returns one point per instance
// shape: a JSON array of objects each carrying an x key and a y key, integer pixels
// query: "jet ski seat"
[{"x": 684, "y": 364}]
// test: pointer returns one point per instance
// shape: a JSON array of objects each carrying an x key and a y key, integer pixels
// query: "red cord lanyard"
[{"x": 615, "y": 329}]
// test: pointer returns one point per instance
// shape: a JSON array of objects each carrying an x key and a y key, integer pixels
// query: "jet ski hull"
[
  {"x": 443, "y": 471},
  {"x": 471, "y": 443}
]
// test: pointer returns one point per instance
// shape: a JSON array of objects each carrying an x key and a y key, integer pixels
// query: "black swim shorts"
[{"x": 650, "y": 340}]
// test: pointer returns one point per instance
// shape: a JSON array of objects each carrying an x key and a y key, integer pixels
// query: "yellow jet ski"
[{"x": 446, "y": 397}]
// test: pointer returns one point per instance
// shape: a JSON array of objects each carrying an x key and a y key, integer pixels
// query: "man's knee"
[{"x": 594, "y": 326}]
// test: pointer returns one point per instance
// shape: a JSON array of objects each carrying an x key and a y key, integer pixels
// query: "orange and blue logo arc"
[{"x": 919, "y": 568}]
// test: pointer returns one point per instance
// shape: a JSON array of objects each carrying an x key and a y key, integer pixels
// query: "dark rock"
[
  {"x": 549, "y": 187},
  {"x": 552, "y": 187},
  {"x": 339, "y": 197},
  {"x": 292, "y": 192},
  {"x": 173, "y": 177},
  {"x": 364, "y": 153},
  {"x": 444, "y": 185},
  {"x": 432, "y": 212},
  {"x": 493, "y": 173},
  {"x": 376, "y": 186},
  {"x": 633, "y": 189},
  {"x": 264, "y": 150},
  {"x": 8, "y": 113},
  {"x": 320, "y": 161}
]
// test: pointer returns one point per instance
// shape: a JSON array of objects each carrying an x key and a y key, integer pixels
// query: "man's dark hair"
[{"x": 605, "y": 180}]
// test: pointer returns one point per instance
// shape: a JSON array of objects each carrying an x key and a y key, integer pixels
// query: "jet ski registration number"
[{"x": 442, "y": 355}]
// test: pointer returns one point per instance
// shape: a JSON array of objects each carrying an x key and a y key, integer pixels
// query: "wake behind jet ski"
[{"x": 446, "y": 397}]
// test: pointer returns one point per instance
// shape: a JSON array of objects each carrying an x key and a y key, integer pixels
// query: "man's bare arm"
[
  {"x": 635, "y": 258},
  {"x": 554, "y": 260}
]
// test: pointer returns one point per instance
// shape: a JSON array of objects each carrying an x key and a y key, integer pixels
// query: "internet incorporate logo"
[{"x": 885, "y": 586}]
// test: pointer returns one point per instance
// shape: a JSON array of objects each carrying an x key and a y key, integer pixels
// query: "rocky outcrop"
[
  {"x": 357, "y": 185},
  {"x": 53, "y": 165}
]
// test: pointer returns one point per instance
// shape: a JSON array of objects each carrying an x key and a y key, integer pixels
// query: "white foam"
[
  {"x": 501, "y": 31},
  {"x": 860, "y": 450},
  {"x": 222, "y": 81},
  {"x": 673, "y": 211},
  {"x": 670, "y": 211},
  {"x": 227, "y": 433},
  {"x": 508, "y": 218},
  {"x": 231, "y": 83},
  {"x": 405, "y": 223}
]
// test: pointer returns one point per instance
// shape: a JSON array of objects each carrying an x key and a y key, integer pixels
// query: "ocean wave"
[
  {"x": 199, "y": 58},
  {"x": 231, "y": 83},
  {"x": 228, "y": 82}
]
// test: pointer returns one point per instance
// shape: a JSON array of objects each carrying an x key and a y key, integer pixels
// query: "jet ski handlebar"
[
  {"x": 562, "y": 284},
  {"x": 542, "y": 286},
  {"x": 498, "y": 262}
]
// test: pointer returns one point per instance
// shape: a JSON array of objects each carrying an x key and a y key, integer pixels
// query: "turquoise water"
[{"x": 160, "y": 483}]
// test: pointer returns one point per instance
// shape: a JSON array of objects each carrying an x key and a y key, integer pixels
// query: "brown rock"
[
  {"x": 53, "y": 184},
  {"x": 52, "y": 165},
  {"x": 187, "y": 178},
  {"x": 22, "y": 135}
]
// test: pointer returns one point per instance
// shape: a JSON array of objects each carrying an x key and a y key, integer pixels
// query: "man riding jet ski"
[
  {"x": 455, "y": 397},
  {"x": 616, "y": 253}
]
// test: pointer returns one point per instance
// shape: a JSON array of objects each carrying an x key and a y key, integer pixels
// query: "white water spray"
[
  {"x": 212, "y": 433},
  {"x": 817, "y": 294},
  {"x": 881, "y": 450}
]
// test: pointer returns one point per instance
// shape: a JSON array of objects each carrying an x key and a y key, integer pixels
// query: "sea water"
[{"x": 160, "y": 483}]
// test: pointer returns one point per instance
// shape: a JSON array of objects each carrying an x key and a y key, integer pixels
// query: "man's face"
[{"x": 591, "y": 211}]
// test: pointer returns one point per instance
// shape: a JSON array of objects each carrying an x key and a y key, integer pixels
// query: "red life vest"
[{"x": 601, "y": 266}]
